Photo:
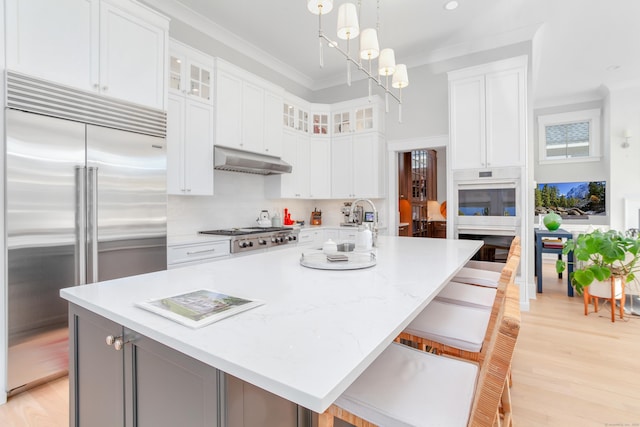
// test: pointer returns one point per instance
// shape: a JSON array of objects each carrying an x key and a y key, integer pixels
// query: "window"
[{"x": 569, "y": 137}]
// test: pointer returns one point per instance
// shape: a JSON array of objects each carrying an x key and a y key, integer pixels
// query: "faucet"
[{"x": 374, "y": 231}]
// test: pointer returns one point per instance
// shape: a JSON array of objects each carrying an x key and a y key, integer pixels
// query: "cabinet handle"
[
  {"x": 201, "y": 252},
  {"x": 116, "y": 342}
]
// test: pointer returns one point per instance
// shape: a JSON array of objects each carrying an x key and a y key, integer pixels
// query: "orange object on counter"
[{"x": 316, "y": 217}]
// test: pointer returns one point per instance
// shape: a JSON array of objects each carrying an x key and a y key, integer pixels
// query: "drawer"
[
  {"x": 197, "y": 252},
  {"x": 310, "y": 238},
  {"x": 304, "y": 238}
]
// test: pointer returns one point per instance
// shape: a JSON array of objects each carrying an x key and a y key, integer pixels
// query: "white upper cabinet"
[
  {"x": 248, "y": 111},
  {"x": 190, "y": 122},
  {"x": 228, "y": 108},
  {"x": 189, "y": 147},
  {"x": 487, "y": 115},
  {"x": 53, "y": 40},
  {"x": 294, "y": 185},
  {"x": 319, "y": 168},
  {"x": 357, "y": 166},
  {"x": 133, "y": 52},
  {"x": 190, "y": 72},
  {"x": 356, "y": 116},
  {"x": 115, "y": 48},
  {"x": 295, "y": 114}
]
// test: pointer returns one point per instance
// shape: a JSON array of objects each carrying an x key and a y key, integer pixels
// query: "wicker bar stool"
[
  {"x": 405, "y": 386},
  {"x": 481, "y": 273},
  {"x": 458, "y": 330}
]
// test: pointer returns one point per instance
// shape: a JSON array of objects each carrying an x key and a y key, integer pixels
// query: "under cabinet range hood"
[{"x": 229, "y": 159}]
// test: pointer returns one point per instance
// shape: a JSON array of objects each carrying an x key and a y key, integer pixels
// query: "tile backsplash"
[{"x": 238, "y": 200}]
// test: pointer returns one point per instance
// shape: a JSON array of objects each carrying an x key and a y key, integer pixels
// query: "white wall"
[
  {"x": 572, "y": 172},
  {"x": 624, "y": 104}
]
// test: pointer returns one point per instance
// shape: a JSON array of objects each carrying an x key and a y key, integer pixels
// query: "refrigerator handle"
[
  {"x": 92, "y": 213},
  {"x": 81, "y": 226}
]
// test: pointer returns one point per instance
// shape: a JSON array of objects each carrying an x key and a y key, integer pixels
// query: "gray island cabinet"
[
  {"x": 273, "y": 365},
  {"x": 140, "y": 382}
]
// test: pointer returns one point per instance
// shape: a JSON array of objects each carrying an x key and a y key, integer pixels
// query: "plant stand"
[{"x": 601, "y": 290}]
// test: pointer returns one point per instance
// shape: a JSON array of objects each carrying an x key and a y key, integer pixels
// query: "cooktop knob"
[{"x": 262, "y": 241}]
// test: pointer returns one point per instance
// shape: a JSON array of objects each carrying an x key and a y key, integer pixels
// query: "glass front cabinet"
[{"x": 190, "y": 73}]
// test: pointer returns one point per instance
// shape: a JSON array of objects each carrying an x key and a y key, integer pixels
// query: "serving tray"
[{"x": 355, "y": 260}]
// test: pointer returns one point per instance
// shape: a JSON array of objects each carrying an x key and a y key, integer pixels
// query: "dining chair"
[{"x": 408, "y": 387}]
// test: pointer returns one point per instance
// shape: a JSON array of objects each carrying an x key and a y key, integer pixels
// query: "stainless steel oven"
[{"x": 487, "y": 202}]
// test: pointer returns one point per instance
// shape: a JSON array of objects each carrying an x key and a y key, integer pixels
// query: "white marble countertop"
[{"x": 318, "y": 329}]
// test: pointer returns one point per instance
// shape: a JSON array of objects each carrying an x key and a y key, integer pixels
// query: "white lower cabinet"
[
  {"x": 357, "y": 166},
  {"x": 311, "y": 238},
  {"x": 348, "y": 235},
  {"x": 196, "y": 253},
  {"x": 189, "y": 147}
]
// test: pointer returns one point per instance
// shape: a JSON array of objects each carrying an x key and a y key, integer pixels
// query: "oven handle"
[
  {"x": 484, "y": 229},
  {"x": 486, "y": 185}
]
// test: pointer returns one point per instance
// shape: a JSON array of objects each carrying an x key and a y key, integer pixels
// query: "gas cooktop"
[
  {"x": 252, "y": 238},
  {"x": 245, "y": 230}
]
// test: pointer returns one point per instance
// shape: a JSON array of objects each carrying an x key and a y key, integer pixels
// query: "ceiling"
[{"x": 581, "y": 45}]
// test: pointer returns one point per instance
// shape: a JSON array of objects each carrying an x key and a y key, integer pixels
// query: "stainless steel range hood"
[{"x": 229, "y": 159}]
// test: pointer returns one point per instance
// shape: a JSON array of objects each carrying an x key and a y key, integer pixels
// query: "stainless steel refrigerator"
[{"x": 84, "y": 203}]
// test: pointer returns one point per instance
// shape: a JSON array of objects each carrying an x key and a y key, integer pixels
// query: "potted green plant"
[{"x": 599, "y": 255}]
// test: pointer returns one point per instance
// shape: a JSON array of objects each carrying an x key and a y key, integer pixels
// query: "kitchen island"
[{"x": 314, "y": 335}]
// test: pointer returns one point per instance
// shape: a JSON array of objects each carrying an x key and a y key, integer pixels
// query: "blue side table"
[{"x": 540, "y": 249}]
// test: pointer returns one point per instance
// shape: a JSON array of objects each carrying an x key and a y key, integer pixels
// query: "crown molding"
[
  {"x": 203, "y": 24},
  {"x": 206, "y": 26}
]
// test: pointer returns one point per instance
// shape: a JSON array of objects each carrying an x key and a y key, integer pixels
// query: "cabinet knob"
[
  {"x": 96, "y": 86},
  {"x": 105, "y": 88},
  {"x": 117, "y": 342}
]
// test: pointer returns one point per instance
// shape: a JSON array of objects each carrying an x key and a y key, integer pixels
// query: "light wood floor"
[{"x": 568, "y": 370}]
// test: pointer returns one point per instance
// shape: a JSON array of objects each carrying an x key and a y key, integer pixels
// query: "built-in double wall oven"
[{"x": 488, "y": 206}]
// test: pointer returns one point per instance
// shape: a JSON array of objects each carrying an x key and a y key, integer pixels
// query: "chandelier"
[{"x": 349, "y": 29}]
